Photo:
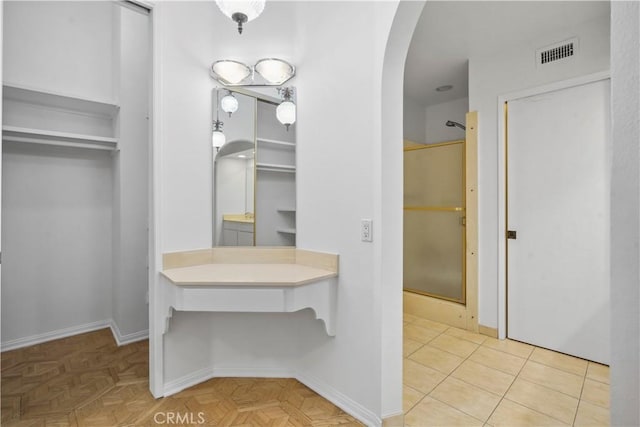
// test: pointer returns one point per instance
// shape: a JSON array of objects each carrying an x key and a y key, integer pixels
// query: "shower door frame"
[
  {"x": 452, "y": 209},
  {"x": 463, "y": 316}
]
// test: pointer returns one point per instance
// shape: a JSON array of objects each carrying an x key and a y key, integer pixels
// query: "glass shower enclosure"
[{"x": 434, "y": 220}]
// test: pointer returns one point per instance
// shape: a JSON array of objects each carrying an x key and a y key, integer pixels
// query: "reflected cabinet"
[{"x": 254, "y": 171}]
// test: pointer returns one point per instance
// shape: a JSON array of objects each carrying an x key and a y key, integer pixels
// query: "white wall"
[
  {"x": 625, "y": 212},
  {"x": 488, "y": 79},
  {"x": 332, "y": 194},
  {"x": 389, "y": 203},
  {"x": 60, "y": 46},
  {"x": 83, "y": 53},
  {"x": 191, "y": 36},
  {"x": 131, "y": 187},
  {"x": 413, "y": 120},
  {"x": 438, "y": 114},
  {"x": 337, "y": 184},
  {"x": 53, "y": 282},
  {"x": 50, "y": 281}
]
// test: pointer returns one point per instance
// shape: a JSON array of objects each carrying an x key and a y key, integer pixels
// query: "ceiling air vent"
[{"x": 557, "y": 51}]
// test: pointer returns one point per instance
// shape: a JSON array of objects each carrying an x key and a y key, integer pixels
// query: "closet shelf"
[
  {"x": 287, "y": 210},
  {"x": 65, "y": 139},
  {"x": 276, "y": 142},
  {"x": 269, "y": 167},
  {"x": 59, "y": 101}
]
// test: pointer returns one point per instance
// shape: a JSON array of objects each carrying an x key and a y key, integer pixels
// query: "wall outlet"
[{"x": 366, "y": 230}]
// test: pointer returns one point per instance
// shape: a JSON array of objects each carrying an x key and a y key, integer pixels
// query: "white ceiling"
[{"x": 450, "y": 32}]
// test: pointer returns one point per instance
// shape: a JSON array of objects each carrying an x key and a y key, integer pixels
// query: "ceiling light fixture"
[
  {"x": 444, "y": 88},
  {"x": 229, "y": 103},
  {"x": 241, "y": 11},
  {"x": 266, "y": 72},
  {"x": 286, "y": 111}
]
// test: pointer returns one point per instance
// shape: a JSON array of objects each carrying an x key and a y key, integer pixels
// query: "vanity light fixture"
[
  {"x": 241, "y": 11},
  {"x": 286, "y": 111},
  {"x": 266, "y": 72},
  {"x": 229, "y": 72},
  {"x": 229, "y": 103},
  {"x": 274, "y": 70},
  {"x": 217, "y": 137}
]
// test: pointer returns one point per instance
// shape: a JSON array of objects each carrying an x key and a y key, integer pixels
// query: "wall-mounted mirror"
[{"x": 254, "y": 171}]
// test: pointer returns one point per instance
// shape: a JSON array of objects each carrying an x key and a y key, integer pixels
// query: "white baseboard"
[
  {"x": 343, "y": 402},
  {"x": 54, "y": 335},
  {"x": 76, "y": 330},
  {"x": 129, "y": 338},
  {"x": 179, "y": 384},
  {"x": 205, "y": 374},
  {"x": 395, "y": 420},
  {"x": 254, "y": 373}
]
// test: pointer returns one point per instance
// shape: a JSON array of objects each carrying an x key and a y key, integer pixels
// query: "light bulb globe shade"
[
  {"x": 218, "y": 139},
  {"x": 231, "y": 72},
  {"x": 275, "y": 71},
  {"x": 250, "y": 8},
  {"x": 229, "y": 104},
  {"x": 286, "y": 113}
]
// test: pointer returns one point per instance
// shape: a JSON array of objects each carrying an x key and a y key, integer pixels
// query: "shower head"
[{"x": 455, "y": 124}]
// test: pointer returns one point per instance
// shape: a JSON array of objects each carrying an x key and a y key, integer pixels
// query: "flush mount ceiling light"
[
  {"x": 444, "y": 88},
  {"x": 286, "y": 111},
  {"x": 229, "y": 103},
  {"x": 241, "y": 11},
  {"x": 266, "y": 72}
]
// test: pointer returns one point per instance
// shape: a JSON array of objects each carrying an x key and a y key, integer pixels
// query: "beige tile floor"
[{"x": 457, "y": 378}]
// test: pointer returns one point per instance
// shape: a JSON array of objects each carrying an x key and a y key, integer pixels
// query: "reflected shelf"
[
  {"x": 286, "y": 230},
  {"x": 276, "y": 142}
]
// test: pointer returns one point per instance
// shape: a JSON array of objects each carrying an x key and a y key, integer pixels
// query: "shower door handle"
[{"x": 511, "y": 234}]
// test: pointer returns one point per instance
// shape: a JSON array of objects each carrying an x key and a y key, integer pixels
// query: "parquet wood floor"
[{"x": 87, "y": 380}]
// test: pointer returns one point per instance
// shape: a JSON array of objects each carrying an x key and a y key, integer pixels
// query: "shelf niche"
[{"x": 42, "y": 117}]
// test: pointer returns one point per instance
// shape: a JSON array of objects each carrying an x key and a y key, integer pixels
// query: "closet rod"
[{"x": 11, "y": 138}]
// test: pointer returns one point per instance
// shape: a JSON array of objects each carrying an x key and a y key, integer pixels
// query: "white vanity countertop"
[
  {"x": 245, "y": 218},
  {"x": 247, "y": 274},
  {"x": 258, "y": 266}
]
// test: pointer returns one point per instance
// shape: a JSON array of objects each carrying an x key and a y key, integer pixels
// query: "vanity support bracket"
[{"x": 320, "y": 296}]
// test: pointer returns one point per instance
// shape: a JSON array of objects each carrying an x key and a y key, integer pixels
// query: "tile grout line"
[
  {"x": 523, "y": 379},
  {"x": 449, "y": 375},
  {"x": 510, "y": 385},
  {"x": 426, "y": 394},
  {"x": 419, "y": 400},
  {"x": 584, "y": 381},
  {"x": 457, "y": 409},
  {"x": 516, "y": 376}
]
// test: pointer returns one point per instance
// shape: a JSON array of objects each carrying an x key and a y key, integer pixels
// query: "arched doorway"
[{"x": 390, "y": 206}]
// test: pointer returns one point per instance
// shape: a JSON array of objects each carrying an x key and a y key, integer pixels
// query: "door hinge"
[{"x": 511, "y": 234}]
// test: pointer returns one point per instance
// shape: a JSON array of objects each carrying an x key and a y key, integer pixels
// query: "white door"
[{"x": 558, "y": 205}]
